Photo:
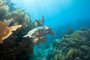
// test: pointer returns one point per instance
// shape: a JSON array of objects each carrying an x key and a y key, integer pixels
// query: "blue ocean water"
[
  {"x": 56, "y": 12},
  {"x": 59, "y": 15}
]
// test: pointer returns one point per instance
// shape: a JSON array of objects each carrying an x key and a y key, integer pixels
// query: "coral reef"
[
  {"x": 2, "y": 3},
  {"x": 11, "y": 5},
  {"x": 19, "y": 17},
  {"x": 3, "y": 10},
  {"x": 4, "y": 31},
  {"x": 41, "y": 52},
  {"x": 14, "y": 46},
  {"x": 74, "y": 46}
]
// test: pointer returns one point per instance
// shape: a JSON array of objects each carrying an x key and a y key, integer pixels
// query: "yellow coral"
[
  {"x": 14, "y": 28},
  {"x": 7, "y": 34},
  {"x": 5, "y": 31}
]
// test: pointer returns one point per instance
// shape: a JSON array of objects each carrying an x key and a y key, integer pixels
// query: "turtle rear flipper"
[{"x": 43, "y": 40}]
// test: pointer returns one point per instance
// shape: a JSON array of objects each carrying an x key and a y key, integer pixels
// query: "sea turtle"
[{"x": 39, "y": 33}]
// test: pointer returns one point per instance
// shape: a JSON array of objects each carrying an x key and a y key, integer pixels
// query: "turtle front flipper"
[
  {"x": 35, "y": 41},
  {"x": 53, "y": 34},
  {"x": 25, "y": 36}
]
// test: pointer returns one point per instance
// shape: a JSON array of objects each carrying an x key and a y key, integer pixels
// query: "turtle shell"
[{"x": 39, "y": 33}]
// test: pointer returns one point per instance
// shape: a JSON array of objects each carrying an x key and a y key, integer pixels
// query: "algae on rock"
[{"x": 74, "y": 46}]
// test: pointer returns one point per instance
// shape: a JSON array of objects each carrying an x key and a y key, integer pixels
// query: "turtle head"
[{"x": 47, "y": 27}]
